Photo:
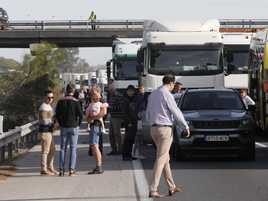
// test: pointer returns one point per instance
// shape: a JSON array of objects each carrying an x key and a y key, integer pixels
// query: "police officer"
[{"x": 131, "y": 120}]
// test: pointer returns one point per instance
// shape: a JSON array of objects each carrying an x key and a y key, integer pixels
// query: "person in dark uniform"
[{"x": 131, "y": 120}]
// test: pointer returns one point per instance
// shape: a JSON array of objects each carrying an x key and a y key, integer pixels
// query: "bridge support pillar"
[
  {"x": 10, "y": 151},
  {"x": 2, "y": 153}
]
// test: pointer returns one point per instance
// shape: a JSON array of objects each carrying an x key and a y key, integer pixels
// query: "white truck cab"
[
  {"x": 124, "y": 62},
  {"x": 194, "y": 54}
]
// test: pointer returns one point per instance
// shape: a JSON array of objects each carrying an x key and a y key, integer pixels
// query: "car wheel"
[{"x": 249, "y": 153}]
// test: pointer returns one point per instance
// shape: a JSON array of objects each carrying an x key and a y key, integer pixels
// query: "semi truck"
[
  {"x": 122, "y": 68},
  {"x": 236, "y": 36},
  {"x": 236, "y": 55},
  {"x": 258, "y": 77},
  {"x": 193, "y": 53}
]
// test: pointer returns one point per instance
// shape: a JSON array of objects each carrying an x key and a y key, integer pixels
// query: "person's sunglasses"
[{"x": 50, "y": 98}]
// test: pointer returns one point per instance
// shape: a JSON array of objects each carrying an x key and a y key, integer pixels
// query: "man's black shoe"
[
  {"x": 129, "y": 158},
  {"x": 61, "y": 173},
  {"x": 111, "y": 153},
  {"x": 97, "y": 170}
]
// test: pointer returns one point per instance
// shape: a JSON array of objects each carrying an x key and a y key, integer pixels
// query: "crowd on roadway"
[{"x": 125, "y": 110}]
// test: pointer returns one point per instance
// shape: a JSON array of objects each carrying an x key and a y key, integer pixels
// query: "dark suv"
[
  {"x": 3, "y": 19},
  {"x": 219, "y": 123}
]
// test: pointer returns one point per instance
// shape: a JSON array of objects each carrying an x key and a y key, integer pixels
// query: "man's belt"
[{"x": 159, "y": 125}]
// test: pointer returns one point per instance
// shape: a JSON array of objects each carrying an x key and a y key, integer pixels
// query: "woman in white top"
[{"x": 246, "y": 99}]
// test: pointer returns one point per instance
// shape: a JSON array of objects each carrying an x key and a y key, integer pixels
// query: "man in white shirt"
[{"x": 161, "y": 112}]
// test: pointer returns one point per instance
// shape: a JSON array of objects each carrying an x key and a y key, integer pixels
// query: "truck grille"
[{"x": 215, "y": 124}]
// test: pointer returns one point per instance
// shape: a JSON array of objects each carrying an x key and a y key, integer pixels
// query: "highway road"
[{"x": 217, "y": 179}]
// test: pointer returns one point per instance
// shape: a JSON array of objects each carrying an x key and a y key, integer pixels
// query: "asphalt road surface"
[{"x": 217, "y": 179}]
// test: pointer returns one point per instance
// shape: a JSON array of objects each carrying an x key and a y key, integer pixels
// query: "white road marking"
[
  {"x": 141, "y": 182},
  {"x": 260, "y": 145}
]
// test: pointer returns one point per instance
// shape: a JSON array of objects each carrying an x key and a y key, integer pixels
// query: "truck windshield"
[
  {"x": 211, "y": 100},
  {"x": 125, "y": 70},
  {"x": 238, "y": 57},
  {"x": 189, "y": 60}
]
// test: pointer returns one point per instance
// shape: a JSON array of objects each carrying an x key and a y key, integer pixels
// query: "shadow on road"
[{"x": 204, "y": 162}]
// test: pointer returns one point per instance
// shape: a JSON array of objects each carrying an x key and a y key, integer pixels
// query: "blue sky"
[{"x": 175, "y": 10}]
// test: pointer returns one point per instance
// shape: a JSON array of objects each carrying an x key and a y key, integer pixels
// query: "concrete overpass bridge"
[{"x": 20, "y": 34}]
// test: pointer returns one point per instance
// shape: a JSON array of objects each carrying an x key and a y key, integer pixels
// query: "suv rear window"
[{"x": 211, "y": 100}]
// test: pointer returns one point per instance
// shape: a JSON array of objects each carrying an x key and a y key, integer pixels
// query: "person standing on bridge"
[
  {"x": 92, "y": 18},
  {"x": 161, "y": 110},
  {"x": 69, "y": 116},
  {"x": 46, "y": 134}
]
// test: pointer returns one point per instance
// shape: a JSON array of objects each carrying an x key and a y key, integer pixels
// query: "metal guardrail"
[
  {"x": 243, "y": 23},
  {"x": 72, "y": 24},
  {"x": 19, "y": 138}
]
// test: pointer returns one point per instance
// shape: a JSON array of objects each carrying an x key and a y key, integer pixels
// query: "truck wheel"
[{"x": 249, "y": 153}]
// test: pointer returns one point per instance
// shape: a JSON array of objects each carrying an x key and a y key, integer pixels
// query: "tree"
[
  {"x": 71, "y": 58},
  {"x": 9, "y": 63},
  {"x": 24, "y": 90}
]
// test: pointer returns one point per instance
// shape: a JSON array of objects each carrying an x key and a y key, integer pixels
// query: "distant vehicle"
[
  {"x": 193, "y": 54},
  {"x": 236, "y": 36},
  {"x": 258, "y": 78},
  {"x": 3, "y": 19},
  {"x": 236, "y": 57},
  {"x": 219, "y": 124},
  {"x": 123, "y": 65}
]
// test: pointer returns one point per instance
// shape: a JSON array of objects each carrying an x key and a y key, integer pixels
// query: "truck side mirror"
[
  {"x": 228, "y": 55},
  {"x": 139, "y": 68},
  {"x": 230, "y": 68},
  {"x": 140, "y": 56},
  {"x": 108, "y": 63}
]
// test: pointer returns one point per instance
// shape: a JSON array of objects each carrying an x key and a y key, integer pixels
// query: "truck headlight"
[{"x": 244, "y": 123}]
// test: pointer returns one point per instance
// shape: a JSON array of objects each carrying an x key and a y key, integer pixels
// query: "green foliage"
[
  {"x": 23, "y": 90},
  {"x": 9, "y": 63},
  {"x": 72, "y": 63}
]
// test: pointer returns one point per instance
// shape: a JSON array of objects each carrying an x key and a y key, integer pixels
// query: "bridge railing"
[
  {"x": 22, "y": 137},
  {"x": 73, "y": 24}
]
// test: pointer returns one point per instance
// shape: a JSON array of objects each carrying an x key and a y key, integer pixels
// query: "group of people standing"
[
  {"x": 68, "y": 117},
  {"x": 124, "y": 112}
]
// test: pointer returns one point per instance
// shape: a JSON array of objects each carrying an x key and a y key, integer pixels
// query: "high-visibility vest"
[{"x": 91, "y": 17}]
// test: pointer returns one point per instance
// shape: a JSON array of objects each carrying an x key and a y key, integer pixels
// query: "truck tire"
[{"x": 249, "y": 153}]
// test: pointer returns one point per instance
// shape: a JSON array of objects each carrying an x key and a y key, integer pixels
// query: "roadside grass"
[{"x": 6, "y": 170}]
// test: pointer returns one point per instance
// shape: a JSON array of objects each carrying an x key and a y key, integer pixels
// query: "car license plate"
[{"x": 217, "y": 138}]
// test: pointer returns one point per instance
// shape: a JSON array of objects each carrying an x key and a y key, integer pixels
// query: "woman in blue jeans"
[{"x": 95, "y": 111}]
